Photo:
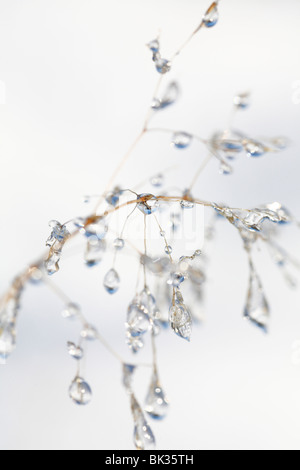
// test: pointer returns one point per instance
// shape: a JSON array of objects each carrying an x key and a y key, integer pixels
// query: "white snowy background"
[{"x": 76, "y": 80}]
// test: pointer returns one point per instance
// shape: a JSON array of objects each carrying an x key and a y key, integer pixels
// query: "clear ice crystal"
[
  {"x": 242, "y": 100},
  {"x": 225, "y": 168},
  {"x": 89, "y": 333},
  {"x": 75, "y": 351},
  {"x": 135, "y": 343},
  {"x": 138, "y": 320},
  {"x": 156, "y": 404},
  {"x": 95, "y": 227},
  {"x": 154, "y": 45},
  {"x": 211, "y": 17},
  {"x": 181, "y": 140},
  {"x": 163, "y": 66},
  {"x": 181, "y": 321},
  {"x": 7, "y": 339},
  {"x": 52, "y": 262},
  {"x": 59, "y": 233},
  {"x": 168, "y": 250},
  {"x": 158, "y": 180},
  {"x": 257, "y": 308},
  {"x": 254, "y": 148},
  {"x": 148, "y": 204},
  {"x": 143, "y": 435},
  {"x": 128, "y": 371},
  {"x": 80, "y": 391},
  {"x": 112, "y": 281},
  {"x": 94, "y": 252},
  {"x": 71, "y": 311},
  {"x": 170, "y": 97},
  {"x": 113, "y": 197},
  {"x": 119, "y": 244},
  {"x": 176, "y": 278}
]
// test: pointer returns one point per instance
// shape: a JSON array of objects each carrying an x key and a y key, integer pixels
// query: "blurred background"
[{"x": 76, "y": 81}]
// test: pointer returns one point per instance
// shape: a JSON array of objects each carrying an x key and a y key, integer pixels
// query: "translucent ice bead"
[
  {"x": 7, "y": 340},
  {"x": 71, "y": 311},
  {"x": 156, "y": 404},
  {"x": 181, "y": 140},
  {"x": 163, "y": 66},
  {"x": 94, "y": 251},
  {"x": 75, "y": 351},
  {"x": 242, "y": 100},
  {"x": 89, "y": 333},
  {"x": 119, "y": 243},
  {"x": 112, "y": 281},
  {"x": 80, "y": 391},
  {"x": 157, "y": 181},
  {"x": 148, "y": 203},
  {"x": 138, "y": 321},
  {"x": 211, "y": 17},
  {"x": 181, "y": 321},
  {"x": 143, "y": 435},
  {"x": 254, "y": 149}
]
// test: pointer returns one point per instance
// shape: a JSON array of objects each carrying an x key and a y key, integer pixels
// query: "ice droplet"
[
  {"x": 80, "y": 391},
  {"x": 143, "y": 435},
  {"x": 242, "y": 100},
  {"x": 112, "y": 281},
  {"x": 257, "y": 308},
  {"x": 168, "y": 250},
  {"x": 254, "y": 149},
  {"x": 75, "y": 351},
  {"x": 148, "y": 203},
  {"x": 135, "y": 343},
  {"x": 94, "y": 252},
  {"x": 211, "y": 17},
  {"x": 170, "y": 97},
  {"x": 154, "y": 45},
  {"x": 119, "y": 243},
  {"x": 7, "y": 339},
  {"x": 71, "y": 311},
  {"x": 156, "y": 404},
  {"x": 158, "y": 180},
  {"x": 138, "y": 321},
  {"x": 52, "y": 262},
  {"x": 163, "y": 66},
  {"x": 128, "y": 371},
  {"x": 59, "y": 233},
  {"x": 225, "y": 168},
  {"x": 89, "y": 333},
  {"x": 181, "y": 140},
  {"x": 181, "y": 321}
]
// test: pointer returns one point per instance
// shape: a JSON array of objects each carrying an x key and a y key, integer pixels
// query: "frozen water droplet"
[
  {"x": 7, "y": 339},
  {"x": 181, "y": 140},
  {"x": 185, "y": 204},
  {"x": 176, "y": 279},
  {"x": 281, "y": 143},
  {"x": 112, "y": 281},
  {"x": 181, "y": 321},
  {"x": 162, "y": 233},
  {"x": 89, "y": 333},
  {"x": 94, "y": 252},
  {"x": 154, "y": 45},
  {"x": 119, "y": 243},
  {"x": 254, "y": 149},
  {"x": 282, "y": 212},
  {"x": 128, "y": 371},
  {"x": 75, "y": 351},
  {"x": 148, "y": 203},
  {"x": 211, "y": 17},
  {"x": 168, "y": 250},
  {"x": 113, "y": 197},
  {"x": 59, "y": 233},
  {"x": 92, "y": 227},
  {"x": 242, "y": 100},
  {"x": 157, "y": 181},
  {"x": 257, "y": 308},
  {"x": 71, "y": 311},
  {"x": 52, "y": 262},
  {"x": 163, "y": 66},
  {"x": 80, "y": 391},
  {"x": 225, "y": 168},
  {"x": 170, "y": 97},
  {"x": 135, "y": 343},
  {"x": 138, "y": 321},
  {"x": 36, "y": 276},
  {"x": 157, "y": 404},
  {"x": 143, "y": 435},
  {"x": 233, "y": 146}
]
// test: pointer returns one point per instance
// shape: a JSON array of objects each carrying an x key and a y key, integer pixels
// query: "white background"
[{"x": 78, "y": 81}]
